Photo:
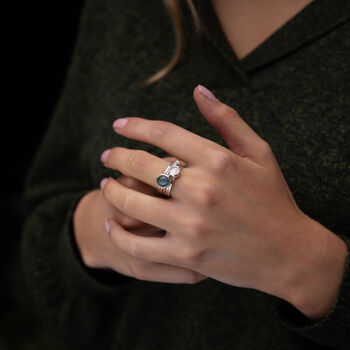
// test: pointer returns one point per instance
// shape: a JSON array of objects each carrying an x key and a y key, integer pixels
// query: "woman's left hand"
[{"x": 231, "y": 215}]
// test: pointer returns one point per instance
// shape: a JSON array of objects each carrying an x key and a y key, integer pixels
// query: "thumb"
[{"x": 239, "y": 136}]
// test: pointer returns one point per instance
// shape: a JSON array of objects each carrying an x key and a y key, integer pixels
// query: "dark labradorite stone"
[{"x": 162, "y": 180}]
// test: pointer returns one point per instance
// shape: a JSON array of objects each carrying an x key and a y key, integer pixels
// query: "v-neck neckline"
[{"x": 311, "y": 22}]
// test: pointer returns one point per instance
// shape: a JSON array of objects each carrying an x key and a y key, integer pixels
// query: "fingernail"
[
  {"x": 104, "y": 155},
  {"x": 207, "y": 93},
  {"x": 120, "y": 123},
  {"x": 107, "y": 226},
  {"x": 103, "y": 183}
]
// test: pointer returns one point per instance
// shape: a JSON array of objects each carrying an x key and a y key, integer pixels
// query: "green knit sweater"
[{"x": 293, "y": 90}]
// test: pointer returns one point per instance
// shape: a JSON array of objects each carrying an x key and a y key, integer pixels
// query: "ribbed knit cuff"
[
  {"x": 95, "y": 280},
  {"x": 334, "y": 329}
]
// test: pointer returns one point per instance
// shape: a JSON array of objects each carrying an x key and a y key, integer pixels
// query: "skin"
[
  {"x": 248, "y": 23},
  {"x": 98, "y": 251},
  {"x": 246, "y": 232},
  {"x": 231, "y": 216}
]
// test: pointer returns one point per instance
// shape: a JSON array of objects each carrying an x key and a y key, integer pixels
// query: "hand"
[
  {"x": 97, "y": 250},
  {"x": 130, "y": 223},
  {"x": 231, "y": 215}
]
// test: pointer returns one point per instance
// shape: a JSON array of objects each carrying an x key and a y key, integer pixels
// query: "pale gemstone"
[{"x": 174, "y": 170}]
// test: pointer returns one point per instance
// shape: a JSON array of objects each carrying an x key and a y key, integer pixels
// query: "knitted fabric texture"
[{"x": 293, "y": 90}]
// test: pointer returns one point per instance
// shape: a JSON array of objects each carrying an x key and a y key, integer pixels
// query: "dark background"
[{"x": 39, "y": 40}]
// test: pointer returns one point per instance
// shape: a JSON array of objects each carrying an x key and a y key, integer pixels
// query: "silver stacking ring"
[{"x": 166, "y": 180}]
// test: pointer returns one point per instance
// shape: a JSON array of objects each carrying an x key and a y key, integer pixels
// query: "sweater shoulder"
[{"x": 130, "y": 33}]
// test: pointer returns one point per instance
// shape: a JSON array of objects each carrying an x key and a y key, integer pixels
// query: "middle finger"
[{"x": 170, "y": 137}]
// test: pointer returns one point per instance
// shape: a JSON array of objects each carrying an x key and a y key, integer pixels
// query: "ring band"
[{"x": 166, "y": 179}]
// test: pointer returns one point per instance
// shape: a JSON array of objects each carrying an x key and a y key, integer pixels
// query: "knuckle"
[
  {"x": 194, "y": 278},
  {"x": 265, "y": 147},
  {"x": 196, "y": 227},
  {"x": 138, "y": 161},
  {"x": 138, "y": 270},
  {"x": 161, "y": 130},
  {"x": 127, "y": 203},
  {"x": 205, "y": 195},
  {"x": 192, "y": 257},
  {"x": 126, "y": 221},
  {"x": 222, "y": 161},
  {"x": 229, "y": 113},
  {"x": 135, "y": 248}
]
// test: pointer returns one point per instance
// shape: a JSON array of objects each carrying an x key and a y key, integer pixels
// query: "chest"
[{"x": 247, "y": 24}]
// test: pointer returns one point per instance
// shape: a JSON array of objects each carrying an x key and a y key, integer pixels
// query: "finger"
[
  {"x": 179, "y": 142},
  {"x": 140, "y": 186},
  {"x": 130, "y": 223},
  {"x": 156, "y": 249},
  {"x": 137, "y": 185},
  {"x": 157, "y": 272},
  {"x": 147, "y": 230},
  {"x": 146, "y": 167},
  {"x": 147, "y": 270},
  {"x": 158, "y": 212},
  {"x": 169, "y": 159},
  {"x": 137, "y": 226},
  {"x": 125, "y": 220},
  {"x": 239, "y": 136}
]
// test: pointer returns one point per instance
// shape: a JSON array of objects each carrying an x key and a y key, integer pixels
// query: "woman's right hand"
[{"x": 98, "y": 251}]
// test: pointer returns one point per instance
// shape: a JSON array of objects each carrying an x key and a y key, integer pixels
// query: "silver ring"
[{"x": 166, "y": 179}]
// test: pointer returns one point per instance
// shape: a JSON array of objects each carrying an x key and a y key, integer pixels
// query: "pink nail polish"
[
  {"x": 103, "y": 183},
  {"x": 120, "y": 123},
  {"x": 207, "y": 93},
  {"x": 104, "y": 155},
  {"x": 107, "y": 226}
]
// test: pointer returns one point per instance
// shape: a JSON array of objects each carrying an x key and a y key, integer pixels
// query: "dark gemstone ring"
[{"x": 166, "y": 180}]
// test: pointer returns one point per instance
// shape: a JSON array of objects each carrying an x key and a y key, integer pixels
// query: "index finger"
[{"x": 175, "y": 140}]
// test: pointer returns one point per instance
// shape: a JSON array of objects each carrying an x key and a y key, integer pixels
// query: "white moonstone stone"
[{"x": 174, "y": 170}]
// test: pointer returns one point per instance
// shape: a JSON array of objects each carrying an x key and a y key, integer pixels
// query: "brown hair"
[{"x": 173, "y": 8}]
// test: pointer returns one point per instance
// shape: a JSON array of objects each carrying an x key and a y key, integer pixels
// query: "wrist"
[{"x": 316, "y": 271}]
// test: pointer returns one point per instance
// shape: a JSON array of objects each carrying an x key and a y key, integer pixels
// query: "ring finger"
[{"x": 145, "y": 167}]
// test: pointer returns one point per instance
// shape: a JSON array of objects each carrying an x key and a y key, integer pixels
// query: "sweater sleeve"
[
  {"x": 334, "y": 329},
  {"x": 82, "y": 305}
]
